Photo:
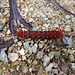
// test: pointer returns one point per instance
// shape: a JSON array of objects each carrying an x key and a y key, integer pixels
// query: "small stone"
[
  {"x": 25, "y": 69},
  {"x": 41, "y": 73},
  {"x": 51, "y": 55},
  {"x": 21, "y": 1},
  {"x": 46, "y": 60},
  {"x": 64, "y": 50},
  {"x": 8, "y": 32},
  {"x": 31, "y": 9},
  {"x": 1, "y": 27},
  {"x": 11, "y": 69},
  {"x": 71, "y": 58},
  {"x": 34, "y": 48},
  {"x": 72, "y": 65},
  {"x": 29, "y": 61},
  {"x": 41, "y": 13},
  {"x": 34, "y": 29},
  {"x": 41, "y": 45},
  {"x": 50, "y": 16},
  {"x": 67, "y": 16},
  {"x": 49, "y": 67},
  {"x": 56, "y": 65},
  {"x": 21, "y": 51},
  {"x": 35, "y": 62},
  {"x": 13, "y": 56},
  {"x": 6, "y": 12},
  {"x": 26, "y": 9},
  {"x": 23, "y": 57},
  {"x": 36, "y": 45},
  {"x": 4, "y": 21},
  {"x": 57, "y": 54},
  {"x": 3, "y": 56},
  {"x": 1, "y": 24},
  {"x": 55, "y": 71},
  {"x": 68, "y": 41},
  {"x": 30, "y": 69},
  {"x": 17, "y": 68},
  {"x": 40, "y": 54},
  {"x": 71, "y": 51},
  {"x": 10, "y": 48},
  {"x": 16, "y": 40},
  {"x": 19, "y": 43},
  {"x": 30, "y": 20},
  {"x": 67, "y": 6},
  {"x": 4, "y": 68},
  {"x": 26, "y": 51},
  {"x": 26, "y": 46},
  {"x": 56, "y": 25},
  {"x": 63, "y": 66},
  {"x": 67, "y": 28}
]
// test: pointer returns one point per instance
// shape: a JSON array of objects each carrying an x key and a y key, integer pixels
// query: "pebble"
[
  {"x": 51, "y": 55},
  {"x": 8, "y": 32},
  {"x": 29, "y": 61},
  {"x": 55, "y": 71},
  {"x": 50, "y": 16},
  {"x": 67, "y": 16},
  {"x": 13, "y": 56},
  {"x": 73, "y": 19},
  {"x": 30, "y": 69},
  {"x": 16, "y": 40},
  {"x": 30, "y": 20},
  {"x": 3, "y": 56},
  {"x": 19, "y": 43},
  {"x": 69, "y": 41},
  {"x": 26, "y": 51},
  {"x": 41, "y": 73},
  {"x": 1, "y": 22},
  {"x": 71, "y": 51},
  {"x": 35, "y": 62},
  {"x": 36, "y": 45},
  {"x": 72, "y": 65},
  {"x": 4, "y": 21},
  {"x": 11, "y": 69},
  {"x": 25, "y": 69},
  {"x": 41, "y": 13},
  {"x": 6, "y": 12},
  {"x": 26, "y": 46},
  {"x": 1, "y": 27},
  {"x": 56, "y": 65},
  {"x": 67, "y": 28},
  {"x": 57, "y": 54},
  {"x": 21, "y": 51},
  {"x": 34, "y": 48},
  {"x": 46, "y": 60},
  {"x": 10, "y": 48},
  {"x": 71, "y": 58},
  {"x": 63, "y": 66},
  {"x": 39, "y": 54},
  {"x": 17, "y": 68},
  {"x": 23, "y": 57},
  {"x": 41, "y": 45},
  {"x": 49, "y": 67}
]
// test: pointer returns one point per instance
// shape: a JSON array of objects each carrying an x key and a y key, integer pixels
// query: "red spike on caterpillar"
[{"x": 41, "y": 34}]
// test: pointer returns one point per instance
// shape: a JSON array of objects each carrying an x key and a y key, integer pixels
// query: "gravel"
[{"x": 38, "y": 56}]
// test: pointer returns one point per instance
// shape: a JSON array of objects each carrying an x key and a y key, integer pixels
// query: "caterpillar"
[{"x": 54, "y": 34}]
